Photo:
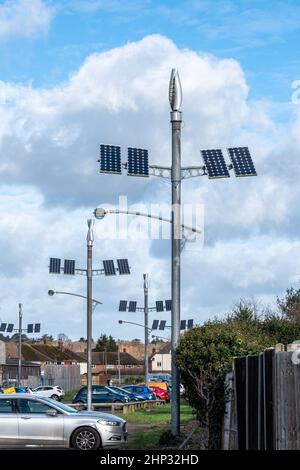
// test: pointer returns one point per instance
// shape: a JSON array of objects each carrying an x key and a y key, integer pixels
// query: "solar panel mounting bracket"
[{"x": 160, "y": 171}]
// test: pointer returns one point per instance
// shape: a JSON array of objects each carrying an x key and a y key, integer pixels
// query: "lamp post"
[
  {"x": 89, "y": 306},
  {"x": 20, "y": 346},
  {"x": 175, "y": 99},
  {"x": 109, "y": 269},
  {"x": 214, "y": 167},
  {"x": 146, "y": 306}
]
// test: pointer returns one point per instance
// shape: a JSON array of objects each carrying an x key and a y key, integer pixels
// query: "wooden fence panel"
[
  {"x": 240, "y": 399},
  {"x": 252, "y": 381}
]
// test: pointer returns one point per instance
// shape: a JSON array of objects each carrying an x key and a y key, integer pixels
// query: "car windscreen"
[{"x": 61, "y": 406}]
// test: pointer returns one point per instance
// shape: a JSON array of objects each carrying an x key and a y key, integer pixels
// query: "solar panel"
[
  {"x": 3, "y": 327},
  {"x": 30, "y": 328},
  {"x": 182, "y": 324},
  {"x": 123, "y": 266},
  {"x": 162, "y": 325},
  {"x": 10, "y": 328},
  {"x": 123, "y": 306},
  {"x": 155, "y": 324},
  {"x": 69, "y": 267},
  {"x": 109, "y": 267},
  {"x": 159, "y": 306},
  {"x": 215, "y": 164},
  {"x": 132, "y": 306},
  {"x": 37, "y": 327},
  {"x": 54, "y": 265},
  {"x": 138, "y": 162},
  {"x": 110, "y": 159},
  {"x": 241, "y": 161},
  {"x": 190, "y": 324},
  {"x": 168, "y": 305}
]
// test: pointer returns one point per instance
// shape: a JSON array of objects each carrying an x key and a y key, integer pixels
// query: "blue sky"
[
  {"x": 74, "y": 74},
  {"x": 261, "y": 34}
]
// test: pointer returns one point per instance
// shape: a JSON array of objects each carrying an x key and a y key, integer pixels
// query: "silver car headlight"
[{"x": 108, "y": 422}]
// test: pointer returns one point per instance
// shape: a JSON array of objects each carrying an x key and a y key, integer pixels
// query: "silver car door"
[
  {"x": 36, "y": 427},
  {"x": 8, "y": 422}
]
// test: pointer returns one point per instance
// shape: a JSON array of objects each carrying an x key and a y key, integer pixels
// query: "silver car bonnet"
[{"x": 98, "y": 415}]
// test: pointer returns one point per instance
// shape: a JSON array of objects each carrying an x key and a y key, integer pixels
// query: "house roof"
[
  {"x": 15, "y": 362},
  {"x": 166, "y": 349},
  {"x": 42, "y": 353},
  {"x": 111, "y": 358}
]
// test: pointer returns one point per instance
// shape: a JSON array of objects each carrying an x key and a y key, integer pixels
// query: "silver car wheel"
[{"x": 85, "y": 440}]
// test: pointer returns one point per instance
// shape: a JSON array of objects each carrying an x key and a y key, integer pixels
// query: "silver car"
[{"x": 29, "y": 421}]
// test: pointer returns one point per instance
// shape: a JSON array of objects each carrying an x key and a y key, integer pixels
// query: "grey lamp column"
[
  {"x": 89, "y": 274},
  {"x": 146, "y": 311},
  {"x": 175, "y": 99}
]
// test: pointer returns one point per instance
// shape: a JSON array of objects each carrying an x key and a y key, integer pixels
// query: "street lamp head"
[
  {"x": 120, "y": 321},
  {"x": 51, "y": 292},
  {"x": 175, "y": 91},
  {"x": 99, "y": 213}
]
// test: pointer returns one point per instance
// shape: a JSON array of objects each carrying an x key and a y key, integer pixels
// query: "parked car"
[
  {"x": 27, "y": 420},
  {"x": 131, "y": 396},
  {"x": 152, "y": 383},
  {"x": 160, "y": 393},
  {"x": 56, "y": 392},
  {"x": 142, "y": 390},
  {"x": 100, "y": 394}
]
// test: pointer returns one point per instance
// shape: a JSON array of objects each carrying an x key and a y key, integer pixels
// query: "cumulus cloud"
[
  {"x": 25, "y": 18},
  {"x": 50, "y": 183}
]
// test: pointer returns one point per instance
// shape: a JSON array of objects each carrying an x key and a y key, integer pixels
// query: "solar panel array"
[
  {"x": 162, "y": 325},
  {"x": 123, "y": 306},
  {"x": 132, "y": 306},
  {"x": 30, "y": 328},
  {"x": 215, "y": 164},
  {"x": 123, "y": 266},
  {"x": 54, "y": 265},
  {"x": 241, "y": 161},
  {"x": 69, "y": 267},
  {"x": 37, "y": 327},
  {"x": 10, "y": 328},
  {"x": 109, "y": 267},
  {"x": 190, "y": 324},
  {"x": 159, "y": 306},
  {"x": 110, "y": 159},
  {"x": 138, "y": 162},
  {"x": 183, "y": 324},
  {"x": 155, "y": 324},
  {"x": 3, "y": 326},
  {"x": 168, "y": 305}
]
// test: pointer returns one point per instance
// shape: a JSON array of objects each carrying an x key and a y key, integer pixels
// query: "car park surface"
[{"x": 28, "y": 420}]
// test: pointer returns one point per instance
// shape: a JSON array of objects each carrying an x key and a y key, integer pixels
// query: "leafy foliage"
[
  {"x": 289, "y": 306},
  {"x": 206, "y": 353},
  {"x": 106, "y": 343}
]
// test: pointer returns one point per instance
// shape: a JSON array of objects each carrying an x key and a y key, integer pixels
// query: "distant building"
[
  {"x": 136, "y": 348},
  {"x": 161, "y": 361}
]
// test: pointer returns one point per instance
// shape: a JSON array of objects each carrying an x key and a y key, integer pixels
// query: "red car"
[{"x": 160, "y": 393}]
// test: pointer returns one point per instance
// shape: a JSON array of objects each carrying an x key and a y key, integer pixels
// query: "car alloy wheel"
[
  {"x": 86, "y": 439},
  {"x": 55, "y": 397}
]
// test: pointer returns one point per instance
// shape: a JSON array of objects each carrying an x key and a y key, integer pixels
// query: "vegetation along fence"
[{"x": 263, "y": 408}]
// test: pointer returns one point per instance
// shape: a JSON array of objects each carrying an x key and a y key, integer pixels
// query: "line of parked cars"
[
  {"x": 125, "y": 393},
  {"x": 54, "y": 392}
]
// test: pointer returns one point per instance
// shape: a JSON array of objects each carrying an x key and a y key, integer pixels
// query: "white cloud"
[
  {"x": 50, "y": 183},
  {"x": 25, "y": 18}
]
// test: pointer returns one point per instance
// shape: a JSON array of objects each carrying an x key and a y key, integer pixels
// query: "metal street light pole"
[
  {"x": 89, "y": 274},
  {"x": 175, "y": 98},
  {"x": 20, "y": 346},
  {"x": 146, "y": 306}
]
